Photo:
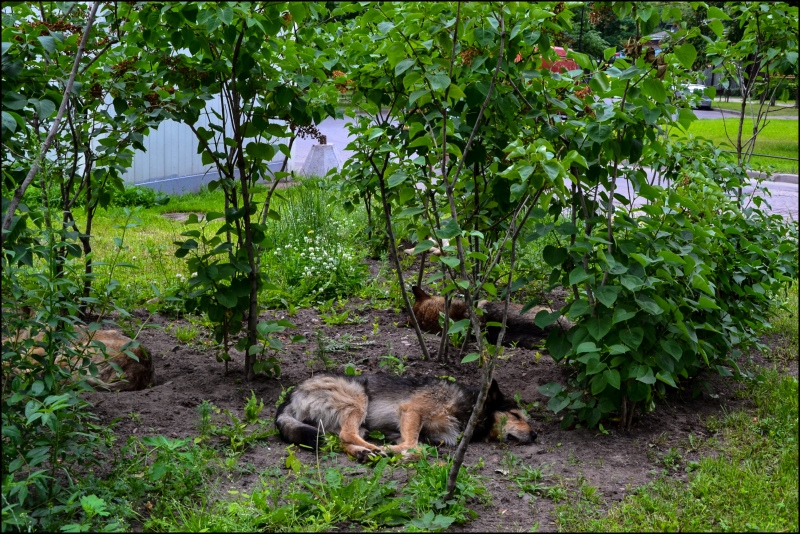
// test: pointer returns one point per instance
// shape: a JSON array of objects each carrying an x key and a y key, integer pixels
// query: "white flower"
[{"x": 194, "y": 274}]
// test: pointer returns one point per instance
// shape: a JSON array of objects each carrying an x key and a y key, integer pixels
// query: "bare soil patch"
[{"x": 615, "y": 463}]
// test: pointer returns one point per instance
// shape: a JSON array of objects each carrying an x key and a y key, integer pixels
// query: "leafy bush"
[
  {"x": 139, "y": 196},
  {"x": 688, "y": 286}
]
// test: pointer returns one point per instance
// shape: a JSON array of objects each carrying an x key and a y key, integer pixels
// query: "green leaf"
[
  {"x": 577, "y": 275},
  {"x": 259, "y": 150},
  {"x": 637, "y": 391},
  {"x": 707, "y": 303},
  {"x": 554, "y": 256},
  {"x": 403, "y": 66},
  {"x": 544, "y": 318},
  {"x": 450, "y": 261},
  {"x": 632, "y": 337},
  {"x": 551, "y": 389},
  {"x": 439, "y": 82},
  {"x": 600, "y": 82},
  {"x": 671, "y": 348},
  {"x": 598, "y": 132},
  {"x": 649, "y": 305},
  {"x": 8, "y": 121},
  {"x": 414, "y": 96},
  {"x": 717, "y": 27},
  {"x": 666, "y": 377},
  {"x": 557, "y": 344},
  {"x": 648, "y": 377},
  {"x": 396, "y": 179},
  {"x": 612, "y": 377},
  {"x": 598, "y": 327},
  {"x": 599, "y": 383},
  {"x": 607, "y": 294},
  {"x": 449, "y": 230},
  {"x": 48, "y": 43},
  {"x": 226, "y": 298},
  {"x": 298, "y": 11},
  {"x": 423, "y": 246},
  {"x": 471, "y": 357},
  {"x": 557, "y": 404},
  {"x": 717, "y": 13},
  {"x": 578, "y": 308},
  {"x": 653, "y": 88},
  {"x": 632, "y": 283},
  {"x": 225, "y": 14},
  {"x": 686, "y": 117},
  {"x": 608, "y": 53},
  {"x": 686, "y": 54}
]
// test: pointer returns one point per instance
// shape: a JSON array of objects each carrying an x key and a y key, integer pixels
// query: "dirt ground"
[{"x": 616, "y": 463}]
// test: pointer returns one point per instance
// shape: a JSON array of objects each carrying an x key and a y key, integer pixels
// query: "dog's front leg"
[
  {"x": 351, "y": 440},
  {"x": 410, "y": 427}
]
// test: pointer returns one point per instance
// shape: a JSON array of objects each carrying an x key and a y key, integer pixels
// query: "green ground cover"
[
  {"x": 782, "y": 109},
  {"x": 779, "y": 138},
  {"x": 747, "y": 478}
]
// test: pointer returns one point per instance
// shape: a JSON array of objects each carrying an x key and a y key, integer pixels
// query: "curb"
[{"x": 777, "y": 177}]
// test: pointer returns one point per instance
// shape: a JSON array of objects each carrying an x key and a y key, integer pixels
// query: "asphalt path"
[{"x": 782, "y": 197}]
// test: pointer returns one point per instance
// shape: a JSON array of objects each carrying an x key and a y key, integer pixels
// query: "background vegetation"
[{"x": 519, "y": 162}]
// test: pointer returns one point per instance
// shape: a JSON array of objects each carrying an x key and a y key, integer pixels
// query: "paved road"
[{"x": 784, "y": 199}]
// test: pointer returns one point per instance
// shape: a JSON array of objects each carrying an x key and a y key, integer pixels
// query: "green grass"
[
  {"x": 787, "y": 110},
  {"x": 750, "y": 485},
  {"x": 310, "y": 216},
  {"x": 779, "y": 138},
  {"x": 750, "y": 482}
]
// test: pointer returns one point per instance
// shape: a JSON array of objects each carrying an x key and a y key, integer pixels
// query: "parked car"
[{"x": 704, "y": 102}]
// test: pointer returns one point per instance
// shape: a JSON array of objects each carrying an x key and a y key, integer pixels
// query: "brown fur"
[
  {"x": 520, "y": 329},
  {"x": 427, "y": 308},
  {"x": 405, "y": 409},
  {"x": 135, "y": 375}
]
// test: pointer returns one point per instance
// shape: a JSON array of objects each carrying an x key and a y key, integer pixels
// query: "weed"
[
  {"x": 427, "y": 489},
  {"x": 395, "y": 365},
  {"x": 672, "y": 459},
  {"x": 185, "y": 334},
  {"x": 282, "y": 396},
  {"x": 528, "y": 479}
]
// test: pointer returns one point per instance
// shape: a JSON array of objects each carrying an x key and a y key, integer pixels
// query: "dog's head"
[{"x": 509, "y": 421}]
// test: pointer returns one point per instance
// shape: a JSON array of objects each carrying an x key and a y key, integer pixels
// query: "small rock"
[{"x": 168, "y": 383}]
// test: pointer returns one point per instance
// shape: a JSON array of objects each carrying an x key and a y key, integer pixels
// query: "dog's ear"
[
  {"x": 419, "y": 294},
  {"x": 494, "y": 396}
]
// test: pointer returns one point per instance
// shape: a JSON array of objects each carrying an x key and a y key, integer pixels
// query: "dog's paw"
[{"x": 366, "y": 455}]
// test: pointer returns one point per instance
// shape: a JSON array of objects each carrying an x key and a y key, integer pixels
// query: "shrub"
[{"x": 689, "y": 285}]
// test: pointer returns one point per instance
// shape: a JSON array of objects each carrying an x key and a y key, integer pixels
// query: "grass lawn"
[
  {"x": 774, "y": 111},
  {"x": 779, "y": 138}
]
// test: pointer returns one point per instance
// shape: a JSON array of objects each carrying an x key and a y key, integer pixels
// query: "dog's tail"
[{"x": 295, "y": 431}]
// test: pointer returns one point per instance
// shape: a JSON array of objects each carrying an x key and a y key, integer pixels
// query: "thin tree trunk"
[
  {"x": 12, "y": 207},
  {"x": 461, "y": 450}
]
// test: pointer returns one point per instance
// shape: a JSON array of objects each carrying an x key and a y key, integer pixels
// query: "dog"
[
  {"x": 427, "y": 309},
  {"x": 405, "y": 410},
  {"x": 106, "y": 349},
  {"x": 520, "y": 329}
]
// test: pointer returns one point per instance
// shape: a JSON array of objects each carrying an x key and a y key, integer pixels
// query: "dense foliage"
[{"x": 472, "y": 135}]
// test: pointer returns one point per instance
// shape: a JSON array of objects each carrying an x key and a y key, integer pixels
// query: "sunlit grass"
[
  {"x": 750, "y": 485},
  {"x": 786, "y": 110},
  {"x": 778, "y": 138}
]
